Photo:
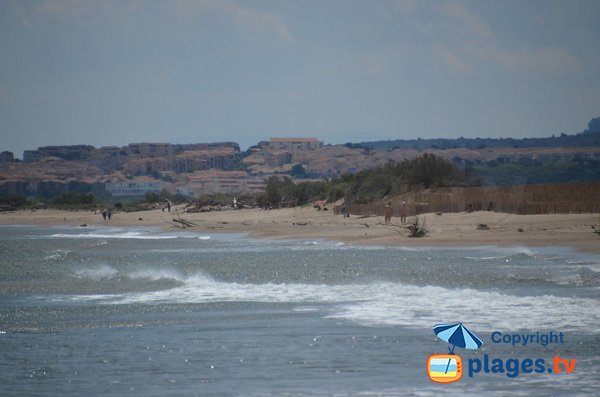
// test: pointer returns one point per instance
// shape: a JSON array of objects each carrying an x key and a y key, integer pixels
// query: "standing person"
[
  {"x": 109, "y": 214},
  {"x": 168, "y": 206},
  {"x": 403, "y": 213},
  {"x": 387, "y": 213},
  {"x": 104, "y": 214}
]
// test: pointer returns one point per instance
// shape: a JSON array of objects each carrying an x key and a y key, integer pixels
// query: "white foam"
[
  {"x": 502, "y": 253},
  {"x": 103, "y": 272},
  {"x": 505, "y": 251},
  {"x": 58, "y": 254},
  {"x": 156, "y": 274},
  {"x": 411, "y": 305},
  {"x": 591, "y": 265},
  {"x": 97, "y": 273},
  {"x": 519, "y": 251},
  {"x": 594, "y": 267},
  {"x": 124, "y": 235},
  {"x": 415, "y": 249},
  {"x": 387, "y": 303},
  {"x": 578, "y": 262},
  {"x": 484, "y": 258},
  {"x": 270, "y": 247}
]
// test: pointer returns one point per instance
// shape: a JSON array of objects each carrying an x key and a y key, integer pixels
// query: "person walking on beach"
[
  {"x": 104, "y": 214},
  {"x": 344, "y": 212},
  {"x": 109, "y": 214},
  {"x": 168, "y": 206},
  {"x": 403, "y": 213},
  {"x": 387, "y": 213}
]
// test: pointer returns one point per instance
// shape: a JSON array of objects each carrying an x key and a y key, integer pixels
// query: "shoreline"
[{"x": 447, "y": 230}]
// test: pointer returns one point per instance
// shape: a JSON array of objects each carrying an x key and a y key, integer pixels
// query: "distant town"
[{"x": 221, "y": 167}]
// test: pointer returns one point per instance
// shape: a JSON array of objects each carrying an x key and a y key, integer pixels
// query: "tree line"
[{"x": 365, "y": 186}]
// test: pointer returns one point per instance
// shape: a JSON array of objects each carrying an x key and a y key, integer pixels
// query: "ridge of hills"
[
  {"x": 588, "y": 137},
  {"x": 223, "y": 167}
]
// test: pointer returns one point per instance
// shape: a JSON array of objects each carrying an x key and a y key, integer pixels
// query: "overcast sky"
[{"x": 113, "y": 72}]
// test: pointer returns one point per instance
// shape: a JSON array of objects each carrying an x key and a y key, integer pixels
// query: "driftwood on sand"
[
  {"x": 184, "y": 223},
  {"x": 180, "y": 222}
]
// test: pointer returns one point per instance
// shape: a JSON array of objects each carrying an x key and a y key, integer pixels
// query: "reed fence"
[{"x": 567, "y": 198}]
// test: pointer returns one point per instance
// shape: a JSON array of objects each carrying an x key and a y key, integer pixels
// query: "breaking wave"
[
  {"x": 381, "y": 303},
  {"x": 97, "y": 273}
]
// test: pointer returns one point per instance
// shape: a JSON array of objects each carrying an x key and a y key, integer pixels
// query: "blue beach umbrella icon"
[{"x": 457, "y": 335}]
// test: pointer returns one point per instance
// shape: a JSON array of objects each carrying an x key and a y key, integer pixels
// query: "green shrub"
[{"x": 74, "y": 198}]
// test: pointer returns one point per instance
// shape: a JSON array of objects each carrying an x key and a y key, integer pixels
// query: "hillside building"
[
  {"x": 215, "y": 181},
  {"x": 294, "y": 144},
  {"x": 134, "y": 188},
  {"x": 7, "y": 157},
  {"x": 66, "y": 152}
]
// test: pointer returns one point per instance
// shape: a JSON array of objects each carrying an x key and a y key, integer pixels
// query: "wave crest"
[{"x": 97, "y": 273}]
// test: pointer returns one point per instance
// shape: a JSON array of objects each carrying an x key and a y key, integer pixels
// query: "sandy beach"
[{"x": 451, "y": 229}]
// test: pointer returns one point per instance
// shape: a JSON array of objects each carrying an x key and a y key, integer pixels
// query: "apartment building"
[
  {"x": 134, "y": 188},
  {"x": 214, "y": 181},
  {"x": 294, "y": 144}
]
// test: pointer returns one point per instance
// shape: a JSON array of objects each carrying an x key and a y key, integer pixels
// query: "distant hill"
[{"x": 589, "y": 137}]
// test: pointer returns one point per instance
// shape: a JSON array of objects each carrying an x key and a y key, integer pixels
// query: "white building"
[{"x": 134, "y": 188}]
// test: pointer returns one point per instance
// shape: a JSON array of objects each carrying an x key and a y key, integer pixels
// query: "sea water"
[{"x": 133, "y": 311}]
